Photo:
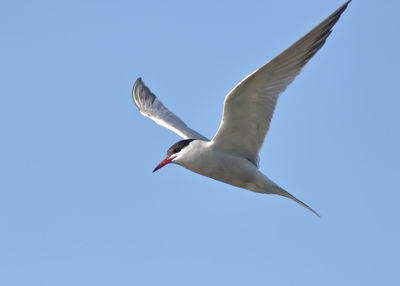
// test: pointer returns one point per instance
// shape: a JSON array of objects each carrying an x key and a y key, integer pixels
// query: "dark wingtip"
[
  {"x": 344, "y": 6},
  {"x": 137, "y": 82},
  {"x": 141, "y": 93}
]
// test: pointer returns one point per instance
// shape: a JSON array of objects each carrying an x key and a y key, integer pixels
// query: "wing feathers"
[
  {"x": 248, "y": 108},
  {"x": 149, "y": 105}
]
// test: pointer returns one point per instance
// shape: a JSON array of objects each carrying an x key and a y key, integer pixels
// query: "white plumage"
[{"x": 232, "y": 155}]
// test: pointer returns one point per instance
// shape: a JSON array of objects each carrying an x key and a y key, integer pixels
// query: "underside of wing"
[
  {"x": 249, "y": 107},
  {"x": 149, "y": 105}
]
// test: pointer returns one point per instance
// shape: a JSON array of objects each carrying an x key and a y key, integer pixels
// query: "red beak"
[{"x": 164, "y": 162}]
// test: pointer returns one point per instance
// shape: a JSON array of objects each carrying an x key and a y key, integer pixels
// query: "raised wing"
[
  {"x": 248, "y": 108},
  {"x": 149, "y": 105}
]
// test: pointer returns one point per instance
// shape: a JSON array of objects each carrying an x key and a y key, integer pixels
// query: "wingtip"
[
  {"x": 142, "y": 96},
  {"x": 344, "y": 6},
  {"x": 138, "y": 82},
  {"x": 336, "y": 15},
  {"x": 341, "y": 9}
]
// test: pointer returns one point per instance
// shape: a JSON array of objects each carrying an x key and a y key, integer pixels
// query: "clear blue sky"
[{"x": 79, "y": 204}]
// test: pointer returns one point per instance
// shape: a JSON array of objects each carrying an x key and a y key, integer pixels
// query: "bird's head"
[{"x": 173, "y": 153}]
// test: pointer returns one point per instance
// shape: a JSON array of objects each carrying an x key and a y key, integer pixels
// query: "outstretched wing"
[
  {"x": 248, "y": 108},
  {"x": 149, "y": 105}
]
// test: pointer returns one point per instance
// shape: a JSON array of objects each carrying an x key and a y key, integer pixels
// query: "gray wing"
[
  {"x": 149, "y": 105},
  {"x": 248, "y": 107}
]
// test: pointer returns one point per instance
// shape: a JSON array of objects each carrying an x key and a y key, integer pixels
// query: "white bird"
[{"x": 232, "y": 154}]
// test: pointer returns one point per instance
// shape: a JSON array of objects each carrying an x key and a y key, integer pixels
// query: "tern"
[{"x": 231, "y": 156}]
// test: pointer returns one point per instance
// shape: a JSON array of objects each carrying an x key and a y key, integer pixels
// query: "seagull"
[{"x": 231, "y": 156}]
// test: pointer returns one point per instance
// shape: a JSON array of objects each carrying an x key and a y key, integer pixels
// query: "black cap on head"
[{"x": 178, "y": 146}]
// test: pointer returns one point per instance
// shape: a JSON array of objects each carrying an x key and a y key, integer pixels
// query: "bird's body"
[
  {"x": 232, "y": 154},
  {"x": 204, "y": 158}
]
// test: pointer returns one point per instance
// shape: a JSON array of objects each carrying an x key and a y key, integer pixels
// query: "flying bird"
[{"x": 231, "y": 156}]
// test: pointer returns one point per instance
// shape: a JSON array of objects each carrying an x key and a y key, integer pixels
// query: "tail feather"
[
  {"x": 290, "y": 196},
  {"x": 279, "y": 191},
  {"x": 265, "y": 185}
]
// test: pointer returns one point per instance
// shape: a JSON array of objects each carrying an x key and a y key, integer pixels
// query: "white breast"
[{"x": 203, "y": 158}]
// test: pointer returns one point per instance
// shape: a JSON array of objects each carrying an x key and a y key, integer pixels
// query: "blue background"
[{"x": 79, "y": 204}]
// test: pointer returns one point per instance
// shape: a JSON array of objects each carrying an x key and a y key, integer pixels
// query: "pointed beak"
[{"x": 164, "y": 162}]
